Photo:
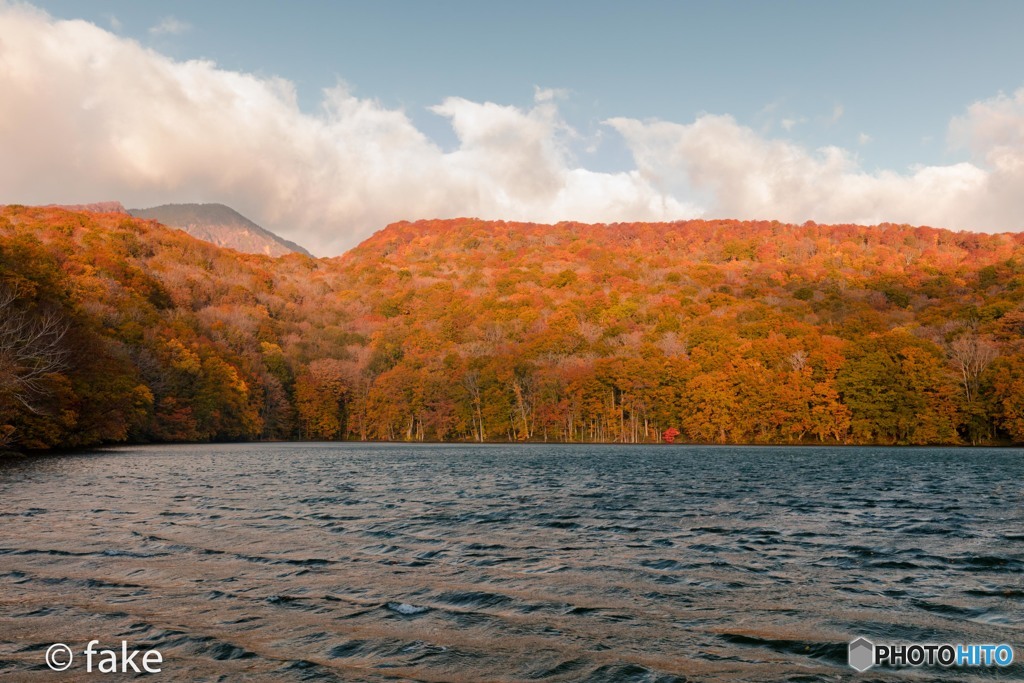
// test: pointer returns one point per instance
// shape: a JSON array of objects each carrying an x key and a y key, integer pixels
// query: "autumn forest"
[{"x": 116, "y": 329}]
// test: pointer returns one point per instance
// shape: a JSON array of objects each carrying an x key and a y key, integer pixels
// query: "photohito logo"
[{"x": 863, "y": 654}]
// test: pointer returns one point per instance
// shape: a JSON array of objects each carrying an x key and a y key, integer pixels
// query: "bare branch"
[
  {"x": 31, "y": 348},
  {"x": 971, "y": 354}
]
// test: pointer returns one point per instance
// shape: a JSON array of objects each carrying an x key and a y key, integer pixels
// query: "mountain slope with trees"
[
  {"x": 222, "y": 226},
  {"x": 114, "y": 328}
]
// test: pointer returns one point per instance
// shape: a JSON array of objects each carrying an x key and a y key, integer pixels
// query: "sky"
[{"x": 325, "y": 121}]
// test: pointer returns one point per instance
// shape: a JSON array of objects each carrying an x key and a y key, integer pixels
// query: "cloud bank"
[{"x": 87, "y": 115}]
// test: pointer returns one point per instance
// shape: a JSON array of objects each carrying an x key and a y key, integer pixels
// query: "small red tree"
[{"x": 669, "y": 435}]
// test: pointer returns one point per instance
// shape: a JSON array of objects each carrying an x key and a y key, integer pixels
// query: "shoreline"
[{"x": 85, "y": 450}]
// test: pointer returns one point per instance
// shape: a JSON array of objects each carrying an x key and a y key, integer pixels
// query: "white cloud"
[
  {"x": 90, "y": 116},
  {"x": 863, "y": 139},
  {"x": 790, "y": 124},
  {"x": 742, "y": 175},
  {"x": 170, "y": 26},
  {"x": 993, "y": 130}
]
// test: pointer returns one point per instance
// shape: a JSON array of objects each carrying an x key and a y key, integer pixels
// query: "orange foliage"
[{"x": 717, "y": 331}]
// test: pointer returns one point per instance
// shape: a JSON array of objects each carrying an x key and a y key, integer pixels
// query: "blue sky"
[
  {"x": 898, "y": 70},
  {"x": 883, "y": 82}
]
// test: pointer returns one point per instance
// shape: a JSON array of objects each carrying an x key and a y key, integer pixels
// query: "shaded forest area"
[{"x": 118, "y": 329}]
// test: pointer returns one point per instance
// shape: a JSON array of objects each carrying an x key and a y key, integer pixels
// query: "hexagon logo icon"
[{"x": 862, "y": 654}]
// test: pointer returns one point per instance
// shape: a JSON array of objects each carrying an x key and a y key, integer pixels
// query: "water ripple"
[{"x": 550, "y": 563}]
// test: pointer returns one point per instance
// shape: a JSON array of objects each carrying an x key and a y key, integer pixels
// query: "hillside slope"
[
  {"x": 116, "y": 328},
  {"x": 222, "y": 226},
  {"x": 727, "y": 331}
]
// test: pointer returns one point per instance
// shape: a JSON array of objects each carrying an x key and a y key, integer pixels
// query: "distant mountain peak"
[
  {"x": 222, "y": 226},
  {"x": 95, "y": 207}
]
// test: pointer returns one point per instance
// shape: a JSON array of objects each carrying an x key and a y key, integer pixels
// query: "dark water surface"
[{"x": 510, "y": 563}]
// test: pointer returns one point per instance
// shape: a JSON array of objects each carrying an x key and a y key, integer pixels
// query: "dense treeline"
[{"x": 114, "y": 328}]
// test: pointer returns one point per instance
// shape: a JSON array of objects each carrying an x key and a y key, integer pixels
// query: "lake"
[{"x": 356, "y": 562}]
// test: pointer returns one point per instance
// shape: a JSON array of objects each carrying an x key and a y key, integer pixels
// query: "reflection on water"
[{"x": 470, "y": 563}]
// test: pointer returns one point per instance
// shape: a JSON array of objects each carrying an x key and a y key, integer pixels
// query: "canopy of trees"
[{"x": 118, "y": 329}]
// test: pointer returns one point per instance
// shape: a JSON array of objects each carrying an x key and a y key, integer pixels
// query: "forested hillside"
[{"x": 115, "y": 328}]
